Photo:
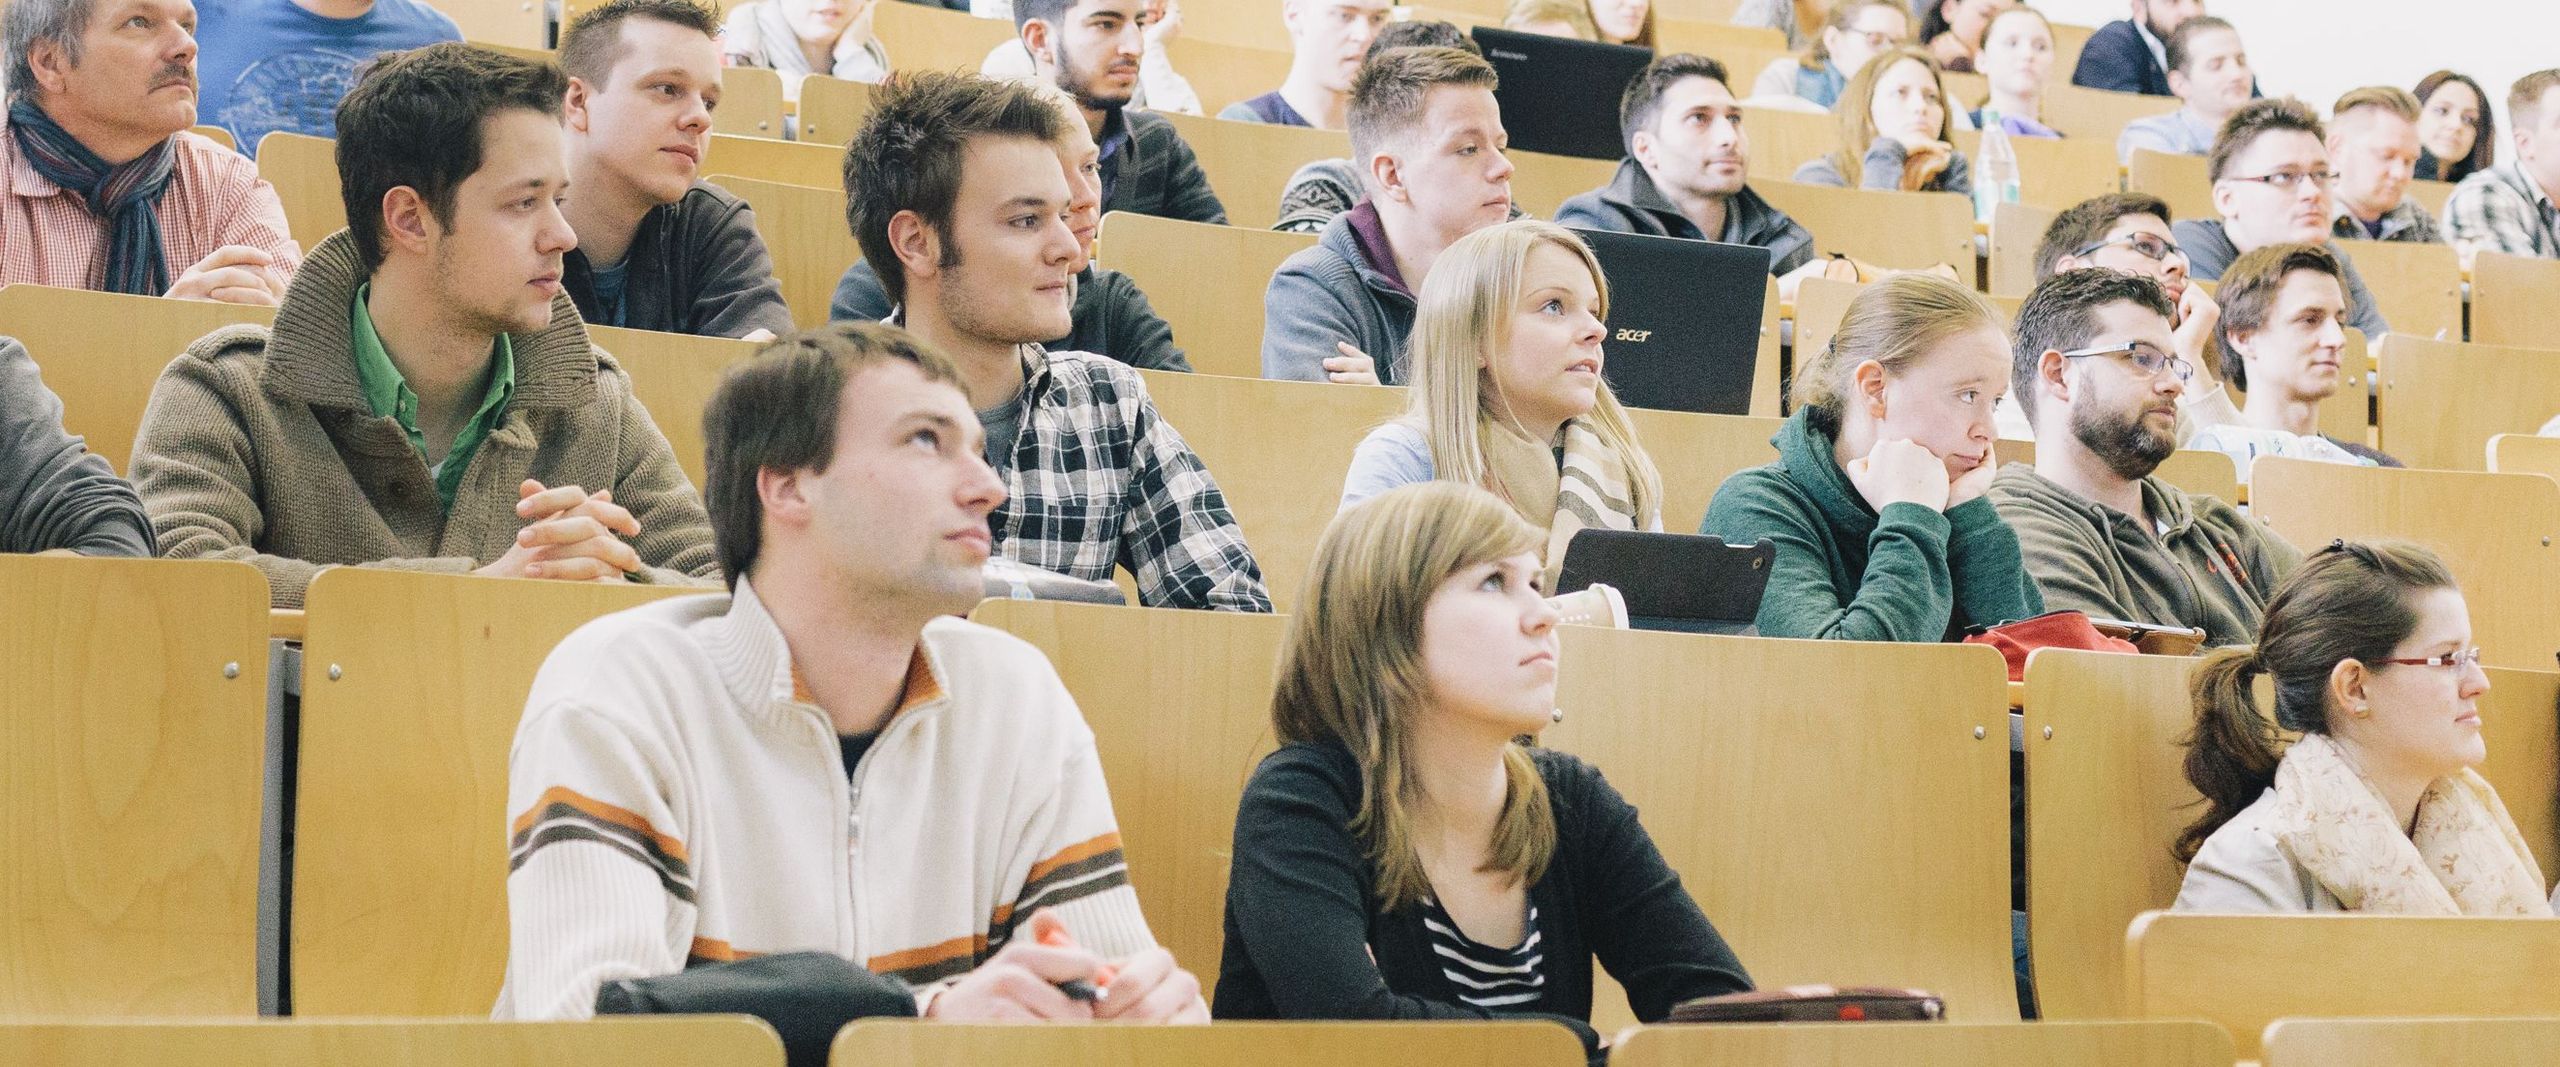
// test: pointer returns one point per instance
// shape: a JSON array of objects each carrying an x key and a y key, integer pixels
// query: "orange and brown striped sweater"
[{"x": 673, "y": 802}]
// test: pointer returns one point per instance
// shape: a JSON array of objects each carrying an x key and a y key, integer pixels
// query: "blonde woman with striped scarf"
[{"x": 1506, "y": 391}]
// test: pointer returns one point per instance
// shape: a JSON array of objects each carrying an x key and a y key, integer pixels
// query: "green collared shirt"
[{"x": 386, "y": 390}]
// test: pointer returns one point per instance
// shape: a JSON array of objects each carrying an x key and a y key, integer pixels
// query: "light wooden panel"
[
  {"x": 2245, "y": 971},
  {"x": 2068, "y": 42},
  {"x": 1205, "y": 281},
  {"x": 1226, "y": 72},
  {"x": 1888, "y": 229},
  {"x": 923, "y": 37},
  {"x": 1541, "y": 183},
  {"x": 674, "y": 375},
  {"x": 2494, "y": 530},
  {"x": 750, "y": 102},
  {"x": 132, "y": 735},
  {"x": 640, "y": 1041},
  {"x": 304, "y": 171},
  {"x": 2055, "y": 174},
  {"x": 2097, "y": 113},
  {"x": 805, "y": 230},
  {"x": 1279, "y": 451},
  {"x": 2442, "y": 401},
  {"x": 1736, "y": 748},
  {"x": 1782, "y": 140},
  {"x": 1712, "y": 37},
  {"x": 400, "y": 851},
  {"x": 1696, "y": 453},
  {"x": 2418, "y": 285},
  {"x": 1175, "y": 778},
  {"x": 2016, "y": 231},
  {"x": 2520, "y": 723},
  {"x": 2511, "y": 300},
  {"x": 832, "y": 111},
  {"x": 2524, "y": 453},
  {"x": 2178, "y": 179},
  {"x": 1821, "y": 304},
  {"x": 2194, "y": 470},
  {"x": 2106, "y": 797},
  {"x": 516, "y": 23},
  {"x": 2458, "y": 1042},
  {"x": 802, "y": 163},
  {"x": 1238, "y": 1044},
  {"x": 2431, "y": 195},
  {"x": 1249, "y": 163},
  {"x": 104, "y": 376},
  {"x": 2117, "y": 1044},
  {"x": 1769, "y": 373}
]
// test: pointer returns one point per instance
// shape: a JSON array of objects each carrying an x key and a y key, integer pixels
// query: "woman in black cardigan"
[{"x": 1403, "y": 855}]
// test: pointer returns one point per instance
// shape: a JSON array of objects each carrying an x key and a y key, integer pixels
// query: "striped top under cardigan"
[{"x": 673, "y": 801}]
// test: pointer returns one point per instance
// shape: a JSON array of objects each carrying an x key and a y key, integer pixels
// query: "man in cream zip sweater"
[{"x": 824, "y": 760}]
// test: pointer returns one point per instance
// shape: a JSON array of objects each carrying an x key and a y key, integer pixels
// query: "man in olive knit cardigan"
[{"x": 427, "y": 399}]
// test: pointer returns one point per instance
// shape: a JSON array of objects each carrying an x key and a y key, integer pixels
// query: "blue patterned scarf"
[{"x": 124, "y": 196}]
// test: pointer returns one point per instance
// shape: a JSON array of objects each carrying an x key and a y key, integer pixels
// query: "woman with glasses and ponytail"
[{"x": 2377, "y": 807}]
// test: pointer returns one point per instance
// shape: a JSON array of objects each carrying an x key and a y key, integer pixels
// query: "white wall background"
[{"x": 2319, "y": 49}]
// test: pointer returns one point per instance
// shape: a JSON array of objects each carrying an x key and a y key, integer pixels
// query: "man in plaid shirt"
[
  {"x": 957, "y": 197},
  {"x": 2508, "y": 208}
]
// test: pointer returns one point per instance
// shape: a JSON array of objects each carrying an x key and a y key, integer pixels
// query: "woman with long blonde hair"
[
  {"x": 1404, "y": 855},
  {"x": 1506, "y": 392}
]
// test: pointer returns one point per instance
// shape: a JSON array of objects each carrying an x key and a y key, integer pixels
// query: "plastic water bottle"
[{"x": 1995, "y": 168}]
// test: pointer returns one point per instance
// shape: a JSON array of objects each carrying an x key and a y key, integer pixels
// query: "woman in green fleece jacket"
[{"x": 1876, "y": 502}]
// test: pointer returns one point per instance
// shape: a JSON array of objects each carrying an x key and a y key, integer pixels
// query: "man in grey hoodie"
[
  {"x": 2098, "y": 373},
  {"x": 55, "y": 494},
  {"x": 1427, "y": 140}
]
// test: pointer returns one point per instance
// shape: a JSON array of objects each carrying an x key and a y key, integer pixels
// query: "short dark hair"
[
  {"x": 1642, "y": 101},
  {"x": 2087, "y": 222},
  {"x": 1388, "y": 94},
  {"x": 1420, "y": 33},
  {"x": 417, "y": 118},
  {"x": 593, "y": 42},
  {"x": 2255, "y": 119},
  {"x": 1049, "y": 11},
  {"x": 776, "y": 410},
  {"x": 2177, "y": 49},
  {"x": 908, "y": 156},
  {"x": 2247, "y": 293},
  {"x": 2061, "y": 314}
]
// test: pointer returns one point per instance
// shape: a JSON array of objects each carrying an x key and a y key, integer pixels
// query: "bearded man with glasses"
[
  {"x": 2096, "y": 368},
  {"x": 2271, "y": 185},
  {"x": 2129, "y": 233}
]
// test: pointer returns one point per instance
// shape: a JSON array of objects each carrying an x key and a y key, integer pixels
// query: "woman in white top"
[
  {"x": 2377, "y": 808},
  {"x": 798, "y": 38},
  {"x": 1507, "y": 393}
]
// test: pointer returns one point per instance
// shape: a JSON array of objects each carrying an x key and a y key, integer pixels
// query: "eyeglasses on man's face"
[
  {"x": 2145, "y": 358},
  {"x": 2288, "y": 179},
  {"x": 2149, "y": 246}
]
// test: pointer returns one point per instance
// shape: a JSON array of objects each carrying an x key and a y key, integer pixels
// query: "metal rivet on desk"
[
  {"x": 1979, "y": 733},
  {"x": 231, "y": 669},
  {"x": 2048, "y": 733},
  {"x": 335, "y": 672},
  {"x": 2546, "y": 542}
]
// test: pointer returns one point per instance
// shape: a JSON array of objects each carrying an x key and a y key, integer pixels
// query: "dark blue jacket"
[{"x": 2116, "y": 59}]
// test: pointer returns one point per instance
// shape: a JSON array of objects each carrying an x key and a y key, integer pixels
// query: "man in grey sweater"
[
  {"x": 2097, "y": 371},
  {"x": 1427, "y": 139},
  {"x": 55, "y": 494}
]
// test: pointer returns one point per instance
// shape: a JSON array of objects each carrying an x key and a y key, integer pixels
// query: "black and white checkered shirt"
[{"x": 1099, "y": 480}]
